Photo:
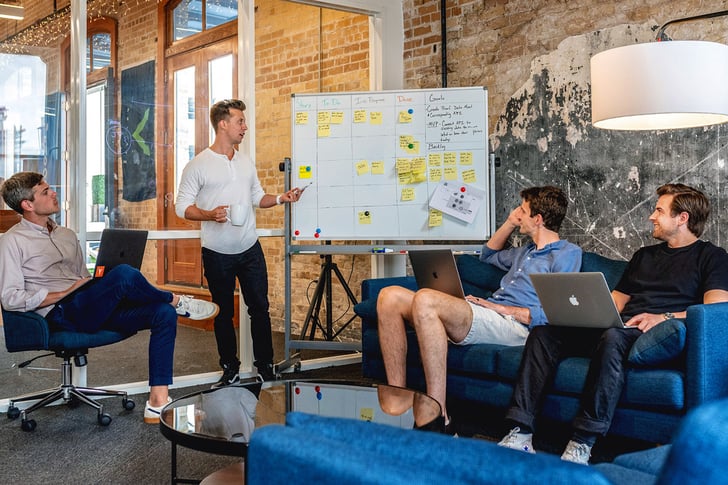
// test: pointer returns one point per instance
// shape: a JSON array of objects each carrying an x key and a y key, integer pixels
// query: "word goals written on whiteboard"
[{"x": 393, "y": 165}]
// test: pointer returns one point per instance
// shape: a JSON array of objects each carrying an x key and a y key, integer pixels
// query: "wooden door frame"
[{"x": 165, "y": 51}]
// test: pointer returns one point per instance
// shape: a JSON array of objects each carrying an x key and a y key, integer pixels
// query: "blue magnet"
[
  {"x": 319, "y": 396},
  {"x": 410, "y": 111}
]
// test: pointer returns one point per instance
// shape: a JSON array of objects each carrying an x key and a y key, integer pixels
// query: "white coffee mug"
[{"x": 236, "y": 214}]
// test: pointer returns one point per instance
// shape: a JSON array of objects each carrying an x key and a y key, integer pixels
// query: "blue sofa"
[
  {"x": 654, "y": 400},
  {"x": 348, "y": 451}
]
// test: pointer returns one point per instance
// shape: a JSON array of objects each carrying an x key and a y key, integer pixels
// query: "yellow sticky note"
[
  {"x": 304, "y": 172},
  {"x": 404, "y": 178},
  {"x": 469, "y": 176},
  {"x": 360, "y": 116},
  {"x": 408, "y": 193},
  {"x": 418, "y": 178},
  {"x": 337, "y": 117},
  {"x": 435, "y": 219},
  {"x": 404, "y": 165},
  {"x": 375, "y": 117},
  {"x": 366, "y": 414},
  {"x": 362, "y": 167},
  {"x": 434, "y": 159},
  {"x": 419, "y": 165},
  {"x": 405, "y": 141},
  {"x": 324, "y": 130},
  {"x": 413, "y": 147},
  {"x": 378, "y": 168},
  {"x": 405, "y": 117},
  {"x": 451, "y": 158},
  {"x": 324, "y": 117},
  {"x": 466, "y": 158},
  {"x": 435, "y": 174},
  {"x": 365, "y": 217},
  {"x": 451, "y": 173},
  {"x": 302, "y": 117}
]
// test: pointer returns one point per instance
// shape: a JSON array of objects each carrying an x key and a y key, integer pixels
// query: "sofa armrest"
[
  {"x": 706, "y": 359},
  {"x": 25, "y": 331}
]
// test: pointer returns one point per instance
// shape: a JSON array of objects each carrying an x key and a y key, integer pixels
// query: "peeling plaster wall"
[{"x": 545, "y": 136}]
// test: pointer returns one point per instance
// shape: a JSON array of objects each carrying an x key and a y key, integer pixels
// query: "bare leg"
[
  {"x": 158, "y": 395},
  {"x": 437, "y": 317},
  {"x": 394, "y": 309}
]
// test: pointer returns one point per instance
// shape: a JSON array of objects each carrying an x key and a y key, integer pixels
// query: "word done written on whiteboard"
[{"x": 396, "y": 165}]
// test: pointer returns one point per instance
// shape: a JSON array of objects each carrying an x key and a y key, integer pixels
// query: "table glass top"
[{"x": 231, "y": 414}]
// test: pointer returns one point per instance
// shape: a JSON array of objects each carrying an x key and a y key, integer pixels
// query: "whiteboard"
[{"x": 394, "y": 165}]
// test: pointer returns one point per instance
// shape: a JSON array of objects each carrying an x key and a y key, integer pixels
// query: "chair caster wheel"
[
  {"x": 128, "y": 404},
  {"x": 13, "y": 412},
  {"x": 28, "y": 425},
  {"x": 104, "y": 419}
]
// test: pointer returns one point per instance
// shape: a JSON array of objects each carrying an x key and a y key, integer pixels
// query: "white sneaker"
[
  {"x": 152, "y": 413},
  {"x": 577, "y": 453},
  {"x": 196, "y": 309},
  {"x": 516, "y": 440}
]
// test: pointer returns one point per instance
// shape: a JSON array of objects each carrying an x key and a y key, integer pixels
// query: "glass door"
[{"x": 195, "y": 81}]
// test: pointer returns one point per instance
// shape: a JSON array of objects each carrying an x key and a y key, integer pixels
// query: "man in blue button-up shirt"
[{"x": 504, "y": 318}]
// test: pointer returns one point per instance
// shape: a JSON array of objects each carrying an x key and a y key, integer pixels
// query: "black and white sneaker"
[
  {"x": 230, "y": 375},
  {"x": 266, "y": 372}
]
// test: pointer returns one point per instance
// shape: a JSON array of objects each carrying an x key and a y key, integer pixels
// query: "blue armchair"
[{"x": 29, "y": 331}]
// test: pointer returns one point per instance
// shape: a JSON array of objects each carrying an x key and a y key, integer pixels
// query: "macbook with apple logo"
[
  {"x": 435, "y": 269},
  {"x": 576, "y": 300}
]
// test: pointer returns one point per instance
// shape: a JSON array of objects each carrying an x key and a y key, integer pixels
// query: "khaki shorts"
[{"x": 490, "y": 327}]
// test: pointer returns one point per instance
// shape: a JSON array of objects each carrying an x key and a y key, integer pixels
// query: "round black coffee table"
[{"x": 222, "y": 420}]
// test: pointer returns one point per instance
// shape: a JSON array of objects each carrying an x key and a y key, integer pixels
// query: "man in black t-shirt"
[{"x": 660, "y": 282}]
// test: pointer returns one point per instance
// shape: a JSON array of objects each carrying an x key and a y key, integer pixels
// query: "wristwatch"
[{"x": 668, "y": 315}]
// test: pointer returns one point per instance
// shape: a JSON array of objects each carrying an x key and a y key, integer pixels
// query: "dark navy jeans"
[
  {"x": 250, "y": 269},
  {"x": 124, "y": 301},
  {"x": 547, "y": 346}
]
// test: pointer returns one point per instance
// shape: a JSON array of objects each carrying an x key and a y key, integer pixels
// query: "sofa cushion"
[
  {"x": 648, "y": 461},
  {"x": 612, "y": 269},
  {"x": 479, "y": 279},
  {"x": 659, "y": 344},
  {"x": 479, "y": 359}
]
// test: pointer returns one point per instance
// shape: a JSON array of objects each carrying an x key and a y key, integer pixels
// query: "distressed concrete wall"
[{"x": 533, "y": 56}]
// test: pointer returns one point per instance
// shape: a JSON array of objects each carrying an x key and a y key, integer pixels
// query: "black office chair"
[{"x": 29, "y": 331}]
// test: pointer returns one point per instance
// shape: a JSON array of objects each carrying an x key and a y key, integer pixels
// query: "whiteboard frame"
[{"x": 325, "y": 158}]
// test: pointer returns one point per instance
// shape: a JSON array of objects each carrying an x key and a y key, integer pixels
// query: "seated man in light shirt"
[{"x": 504, "y": 318}]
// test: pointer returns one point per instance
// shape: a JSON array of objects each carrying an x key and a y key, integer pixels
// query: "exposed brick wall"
[{"x": 300, "y": 49}]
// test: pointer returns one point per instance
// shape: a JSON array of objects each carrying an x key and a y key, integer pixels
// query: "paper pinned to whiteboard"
[{"x": 458, "y": 200}]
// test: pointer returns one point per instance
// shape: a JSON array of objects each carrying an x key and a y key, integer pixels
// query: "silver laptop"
[
  {"x": 576, "y": 300},
  {"x": 435, "y": 269}
]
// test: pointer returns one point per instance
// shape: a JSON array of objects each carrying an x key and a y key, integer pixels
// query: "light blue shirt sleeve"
[{"x": 516, "y": 288}]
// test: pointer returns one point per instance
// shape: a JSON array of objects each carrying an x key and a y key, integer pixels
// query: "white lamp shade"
[{"x": 660, "y": 85}]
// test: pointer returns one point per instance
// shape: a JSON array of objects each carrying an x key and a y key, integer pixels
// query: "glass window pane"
[
  {"x": 184, "y": 123},
  {"x": 220, "y": 11},
  {"x": 101, "y": 45},
  {"x": 221, "y": 82},
  {"x": 187, "y": 19},
  {"x": 95, "y": 151},
  {"x": 88, "y": 57}
]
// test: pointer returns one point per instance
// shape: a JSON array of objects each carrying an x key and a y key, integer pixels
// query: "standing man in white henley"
[{"x": 218, "y": 187}]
